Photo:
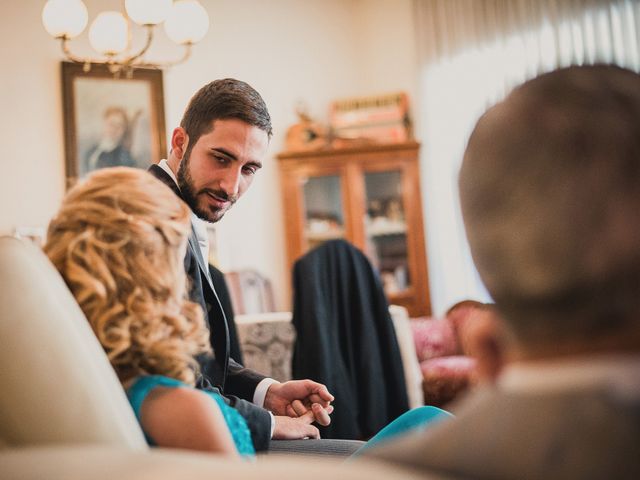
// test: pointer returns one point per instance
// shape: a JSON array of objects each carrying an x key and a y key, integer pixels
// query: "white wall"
[
  {"x": 387, "y": 47},
  {"x": 315, "y": 50},
  {"x": 32, "y": 155}
]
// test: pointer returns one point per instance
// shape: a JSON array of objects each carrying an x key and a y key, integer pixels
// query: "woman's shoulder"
[
  {"x": 167, "y": 397},
  {"x": 174, "y": 414},
  {"x": 159, "y": 389},
  {"x": 147, "y": 388},
  {"x": 151, "y": 381},
  {"x": 177, "y": 397}
]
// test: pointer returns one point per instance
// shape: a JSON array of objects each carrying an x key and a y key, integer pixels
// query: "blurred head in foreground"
[
  {"x": 550, "y": 195},
  {"x": 119, "y": 241}
]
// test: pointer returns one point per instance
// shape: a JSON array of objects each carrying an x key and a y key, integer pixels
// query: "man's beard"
[{"x": 190, "y": 195}]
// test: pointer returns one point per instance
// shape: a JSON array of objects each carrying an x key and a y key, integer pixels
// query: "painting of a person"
[{"x": 114, "y": 148}]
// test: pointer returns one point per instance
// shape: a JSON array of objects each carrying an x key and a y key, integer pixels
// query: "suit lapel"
[
  {"x": 218, "y": 324},
  {"x": 165, "y": 178}
]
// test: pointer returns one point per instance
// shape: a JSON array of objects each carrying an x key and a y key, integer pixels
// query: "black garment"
[
  {"x": 346, "y": 339},
  {"x": 220, "y": 285},
  {"x": 221, "y": 373}
]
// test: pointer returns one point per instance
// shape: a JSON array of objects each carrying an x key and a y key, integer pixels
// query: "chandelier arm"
[
  {"x": 126, "y": 64},
  {"x": 185, "y": 56},
  {"x": 131, "y": 60},
  {"x": 69, "y": 55}
]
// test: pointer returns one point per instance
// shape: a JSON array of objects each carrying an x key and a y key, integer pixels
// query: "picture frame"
[{"x": 111, "y": 121}]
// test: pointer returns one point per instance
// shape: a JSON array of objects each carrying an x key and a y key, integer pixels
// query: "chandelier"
[{"x": 185, "y": 22}]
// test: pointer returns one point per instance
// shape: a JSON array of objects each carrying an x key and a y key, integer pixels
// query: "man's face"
[
  {"x": 219, "y": 168},
  {"x": 114, "y": 127}
]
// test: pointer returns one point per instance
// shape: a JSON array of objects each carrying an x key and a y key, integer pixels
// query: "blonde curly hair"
[{"x": 119, "y": 241}]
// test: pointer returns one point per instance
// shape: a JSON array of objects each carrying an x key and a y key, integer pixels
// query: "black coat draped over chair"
[{"x": 346, "y": 339}]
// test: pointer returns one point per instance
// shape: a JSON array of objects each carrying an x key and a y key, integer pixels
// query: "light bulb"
[
  {"x": 188, "y": 22},
  {"x": 64, "y": 18},
  {"x": 109, "y": 33},
  {"x": 148, "y": 12}
]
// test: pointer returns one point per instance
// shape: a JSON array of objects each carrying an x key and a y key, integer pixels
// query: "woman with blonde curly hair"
[{"x": 119, "y": 240}]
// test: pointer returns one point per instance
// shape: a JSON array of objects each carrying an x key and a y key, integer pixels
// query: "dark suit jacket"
[
  {"x": 220, "y": 372},
  {"x": 221, "y": 288},
  {"x": 581, "y": 433},
  {"x": 346, "y": 339}
]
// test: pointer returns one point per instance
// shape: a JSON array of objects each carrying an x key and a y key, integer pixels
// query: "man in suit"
[
  {"x": 550, "y": 195},
  {"x": 215, "y": 153}
]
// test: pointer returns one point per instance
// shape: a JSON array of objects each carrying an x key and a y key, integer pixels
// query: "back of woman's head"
[{"x": 119, "y": 242}]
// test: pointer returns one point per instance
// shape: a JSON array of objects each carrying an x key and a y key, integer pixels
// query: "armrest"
[{"x": 410, "y": 364}]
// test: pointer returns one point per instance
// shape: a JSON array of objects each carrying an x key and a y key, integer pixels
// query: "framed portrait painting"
[{"x": 111, "y": 121}]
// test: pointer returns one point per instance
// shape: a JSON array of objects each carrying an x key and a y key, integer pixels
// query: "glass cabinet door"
[
  {"x": 323, "y": 210},
  {"x": 386, "y": 229}
]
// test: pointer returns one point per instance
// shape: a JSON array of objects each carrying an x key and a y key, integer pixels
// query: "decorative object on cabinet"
[
  {"x": 373, "y": 119},
  {"x": 111, "y": 121},
  {"x": 306, "y": 134},
  {"x": 370, "y": 196}
]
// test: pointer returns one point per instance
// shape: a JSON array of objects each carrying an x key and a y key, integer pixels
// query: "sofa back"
[{"x": 56, "y": 383}]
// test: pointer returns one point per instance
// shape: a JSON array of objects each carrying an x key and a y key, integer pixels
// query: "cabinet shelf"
[
  {"x": 386, "y": 230},
  {"x": 323, "y": 236}
]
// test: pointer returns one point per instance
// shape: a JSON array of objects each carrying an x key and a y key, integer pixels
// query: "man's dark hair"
[
  {"x": 222, "y": 100},
  {"x": 550, "y": 195}
]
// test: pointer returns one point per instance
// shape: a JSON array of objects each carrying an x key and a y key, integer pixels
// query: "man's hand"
[
  {"x": 320, "y": 413},
  {"x": 298, "y": 398},
  {"x": 288, "y": 428}
]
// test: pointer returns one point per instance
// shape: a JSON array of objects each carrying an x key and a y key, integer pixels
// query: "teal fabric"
[
  {"x": 413, "y": 420},
  {"x": 237, "y": 425}
]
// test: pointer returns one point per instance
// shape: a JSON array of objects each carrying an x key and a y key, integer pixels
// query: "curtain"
[{"x": 471, "y": 54}]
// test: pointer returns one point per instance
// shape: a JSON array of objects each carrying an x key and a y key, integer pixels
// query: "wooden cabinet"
[{"x": 369, "y": 196}]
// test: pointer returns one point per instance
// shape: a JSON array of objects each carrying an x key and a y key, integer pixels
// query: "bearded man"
[{"x": 216, "y": 152}]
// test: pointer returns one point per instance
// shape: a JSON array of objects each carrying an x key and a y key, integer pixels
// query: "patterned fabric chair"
[
  {"x": 266, "y": 340},
  {"x": 446, "y": 370}
]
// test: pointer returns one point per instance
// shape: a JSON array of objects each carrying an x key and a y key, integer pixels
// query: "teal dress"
[
  {"x": 412, "y": 421},
  {"x": 235, "y": 422}
]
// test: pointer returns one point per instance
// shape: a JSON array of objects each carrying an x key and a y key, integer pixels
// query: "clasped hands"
[{"x": 296, "y": 405}]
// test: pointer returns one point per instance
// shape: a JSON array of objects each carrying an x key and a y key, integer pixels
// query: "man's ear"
[{"x": 179, "y": 142}]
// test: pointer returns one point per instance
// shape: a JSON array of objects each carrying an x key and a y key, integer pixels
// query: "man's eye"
[
  {"x": 249, "y": 170},
  {"x": 221, "y": 160}
]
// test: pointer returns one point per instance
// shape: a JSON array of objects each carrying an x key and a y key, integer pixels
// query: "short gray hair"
[{"x": 550, "y": 194}]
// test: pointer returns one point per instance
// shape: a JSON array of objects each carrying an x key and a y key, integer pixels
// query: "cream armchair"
[
  {"x": 57, "y": 384},
  {"x": 63, "y": 413}
]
